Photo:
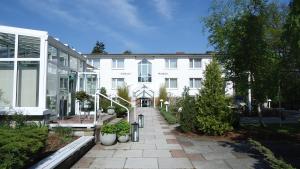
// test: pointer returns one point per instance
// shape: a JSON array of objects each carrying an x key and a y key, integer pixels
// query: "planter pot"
[
  {"x": 108, "y": 139},
  {"x": 123, "y": 139},
  {"x": 111, "y": 111}
]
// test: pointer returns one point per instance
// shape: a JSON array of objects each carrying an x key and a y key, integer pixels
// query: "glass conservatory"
[{"x": 39, "y": 74}]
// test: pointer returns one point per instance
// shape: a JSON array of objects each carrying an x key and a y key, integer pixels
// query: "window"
[
  {"x": 52, "y": 87},
  {"x": 29, "y": 47},
  {"x": 195, "y": 83},
  {"x": 28, "y": 84},
  {"x": 117, "y": 82},
  {"x": 118, "y": 63},
  {"x": 171, "y": 83},
  {"x": 52, "y": 53},
  {"x": 171, "y": 63},
  {"x": 144, "y": 71},
  {"x": 73, "y": 63},
  {"x": 7, "y": 45},
  {"x": 195, "y": 63},
  {"x": 64, "y": 59},
  {"x": 94, "y": 62},
  {"x": 6, "y": 85}
]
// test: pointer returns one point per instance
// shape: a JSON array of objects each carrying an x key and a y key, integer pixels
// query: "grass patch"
[
  {"x": 169, "y": 117},
  {"x": 269, "y": 157}
]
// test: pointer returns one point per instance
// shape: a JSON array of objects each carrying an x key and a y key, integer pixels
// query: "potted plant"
[
  {"x": 108, "y": 134},
  {"x": 111, "y": 110},
  {"x": 123, "y": 130}
]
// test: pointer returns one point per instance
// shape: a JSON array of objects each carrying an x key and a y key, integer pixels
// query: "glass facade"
[
  {"x": 52, "y": 86},
  {"x": 7, "y": 45},
  {"x": 28, "y": 47},
  {"x": 6, "y": 83},
  {"x": 144, "y": 71},
  {"x": 28, "y": 84}
]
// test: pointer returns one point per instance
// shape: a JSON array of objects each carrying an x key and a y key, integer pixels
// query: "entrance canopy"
[{"x": 144, "y": 93}]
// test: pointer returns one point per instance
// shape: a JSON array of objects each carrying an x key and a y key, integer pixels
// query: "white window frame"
[
  {"x": 91, "y": 62},
  {"x": 193, "y": 63},
  {"x": 168, "y": 85},
  {"x": 168, "y": 63},
  {"x": 115, "y": 80},
  {"x": 193, "y": 82},
  {"x": 116, "y": 65}
]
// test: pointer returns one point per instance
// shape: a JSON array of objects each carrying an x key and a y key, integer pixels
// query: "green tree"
[
  {"x": 291, "y": 58},
  {"x": 127, "y": 52},
  {"x": 246, "y": 35},
  {"x": 162, "y": 94},
  {"x": 99, "y": 48},
  {"x": 104, "y": 103},
  {"x": 188, "y": 116},
  {"x": 213, "y": 114}
]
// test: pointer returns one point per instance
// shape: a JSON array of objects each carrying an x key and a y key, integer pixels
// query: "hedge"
[
  {"x": 169, "y": 117},
  {"x": 18, "y": 146}
]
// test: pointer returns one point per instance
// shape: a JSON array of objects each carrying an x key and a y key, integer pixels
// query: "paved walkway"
[{"x": 159, "y": 147}]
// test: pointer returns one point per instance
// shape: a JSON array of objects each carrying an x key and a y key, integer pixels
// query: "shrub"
[
  {"x": 18, "y": 146},
  {"x": 64, "y": 133},
  {"x": 269, "y": 156},
  {"x": 162, "y": 94},
  {"x": 108, "y": 129},
  {"x": 169, "y": 117},
  {"x": 213, "y": 113},
  {"x": 188, "y": 115},
  {"x": 124, "y": 93},
  {"x": 104, "y": 103},
  {"x": 211, "y": 126},
  {"x": 123, "y": 128}
]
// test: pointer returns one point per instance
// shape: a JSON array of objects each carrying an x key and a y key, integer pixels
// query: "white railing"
[
  {"x": 132, "y": 105},
  {"x": 97, "y": 99}
]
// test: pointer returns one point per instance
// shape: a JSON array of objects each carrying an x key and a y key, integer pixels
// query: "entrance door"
[{"x": 145, "y": 102}]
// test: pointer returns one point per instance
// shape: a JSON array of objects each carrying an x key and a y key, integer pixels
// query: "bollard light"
[
  {"x": 269, "y": 103},
  {"x": 167, "y": 104},
  {"x": 135, "y": 132},
  {"x": 161, "y": 101},
  {"x": 141, "y": 121}
]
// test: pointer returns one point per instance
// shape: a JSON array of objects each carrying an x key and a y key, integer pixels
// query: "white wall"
[{"x": 130, "y": 73}]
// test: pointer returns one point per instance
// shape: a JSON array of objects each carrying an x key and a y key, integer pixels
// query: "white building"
[
  {"x": 39, "y": 75},
  {"x": 145, "y": 73}
]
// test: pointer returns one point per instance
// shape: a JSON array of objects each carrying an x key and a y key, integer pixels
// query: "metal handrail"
[
  {"x": 95, "y": 108},
  {"x": 132, "y": 105}
]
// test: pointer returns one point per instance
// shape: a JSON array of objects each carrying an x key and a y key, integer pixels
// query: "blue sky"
[{"x": 142, "y": 26}]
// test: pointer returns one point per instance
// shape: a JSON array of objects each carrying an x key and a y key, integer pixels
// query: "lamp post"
[
  {"x": 161, "y": 101},
  {"x": 141, "y": 120},
  {"x": 269, "y": 103},
  {"x": 167, "y": 104},
  {"x": 135, "y": 132}
]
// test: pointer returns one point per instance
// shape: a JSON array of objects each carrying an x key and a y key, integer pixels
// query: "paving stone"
[
  {"x": 197, "y": 149},
  {"x": 168, "y": 146},
  {"x": 218, "y": 155},
  {"x": 141, "y": 163},
  {"x": 195, "y": 157},
  {"x": 213, "y": 164},
  {"x": 100, "y": 153},
  {"x": 178, "y": 153},
  {"x": 245, "y": 163},
  {"x": 156, "y": 153},
  {"x": 168, "y": 133},
  {"x": 108, "y": 163},
  {"x": 128, "y": 153},
  {"x": 172, "y": 141},
  {"x": 84, "y": 162},
  {"x": 186, "y": 144},
  {"x": 144, "y": 146},
  {"x": 174, "y": 163},
  {"x": 119, "y": 146},
  {"x": 241, "y": 155}
]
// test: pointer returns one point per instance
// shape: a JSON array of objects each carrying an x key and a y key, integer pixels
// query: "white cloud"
[
  {"x": 92, "y": 14},
  {"x": 164, "y": 8}
]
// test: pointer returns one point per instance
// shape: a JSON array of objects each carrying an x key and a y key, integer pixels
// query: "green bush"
[
  {"x": 19, "y": 145},
  {"x": 123, "y": 128},
  {"x": 124, "y": 93},
  {"x": 104, "y": 103},
  {"x": 211, "y": 126},
  {"x": 109, "y": 129},
  {"x": 64, "y": 133},
  {"x": 162, "y": 94},
  {"x": 214, "y": 115},
  {"x": 188, "y": 115},
  {"x": 169, "y": 117},
  {"x": 269, "y": 156}
]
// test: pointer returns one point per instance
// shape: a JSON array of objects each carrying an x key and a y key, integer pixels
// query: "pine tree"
[
  {"x": 213, "y": 113},
  {"x": 99, "y": 48}
]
